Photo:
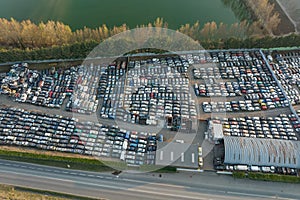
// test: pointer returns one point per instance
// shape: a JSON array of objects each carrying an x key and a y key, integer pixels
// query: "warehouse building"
[{"x": 261, "y": 152}]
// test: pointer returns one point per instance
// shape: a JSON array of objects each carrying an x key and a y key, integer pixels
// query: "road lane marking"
[
  {"x": 257, "y": 195},
  {"x": 166, "y": 194},
  {"x": 132, "y": 180},
  {"x": 43, "y": 177},
  {"x": 167, "y": 185},
  {"x": 109, "y": 186},
  {"x": 151, "y": 183}
]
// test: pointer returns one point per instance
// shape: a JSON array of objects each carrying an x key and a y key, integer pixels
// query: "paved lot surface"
[{"x": 182, "y": 185}]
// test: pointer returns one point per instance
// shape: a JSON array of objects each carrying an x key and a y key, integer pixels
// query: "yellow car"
[{"x": 199, "y": 151}]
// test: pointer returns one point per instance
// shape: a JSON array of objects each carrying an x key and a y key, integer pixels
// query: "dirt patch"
[{"x": 10, "y": 192}]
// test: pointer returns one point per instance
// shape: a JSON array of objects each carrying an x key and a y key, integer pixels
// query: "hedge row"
[
  {"x": 81, "y": 50},
  {"x": 266, "y": 177}
]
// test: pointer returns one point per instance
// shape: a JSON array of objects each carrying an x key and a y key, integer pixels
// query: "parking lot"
[
  {"x": 241, "y": 78},
  {"x": 149, "y": 92},
  {"x": 286, "y": 66},
  {"x": 132, "y": 97},
  {"x": 64, "y": 134},
  {"x": 74, "y": 89},
  {"x": 284, "y": 127}
]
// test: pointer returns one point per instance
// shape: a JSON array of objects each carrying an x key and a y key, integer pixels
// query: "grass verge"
[
  {"x": 21, "y": 193},
  {"x": 57, "y": 161},
  {"x": 267, "y": 177},
  {"x": 274, "y": 177},
  {"x": 158, "y": 169},
  {"x": 77, "y": 163}
]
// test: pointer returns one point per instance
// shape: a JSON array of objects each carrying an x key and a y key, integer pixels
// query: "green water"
[{"x": 93, "y": 13}]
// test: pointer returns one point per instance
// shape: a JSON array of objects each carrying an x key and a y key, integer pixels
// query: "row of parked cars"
[
  {"x": 243, "y": 105},
  {"x": 264, "y": 169},
  {"x": 248, "y": 86},
  {"x": 84, "y": 97},
  {"x": 111, "y": 89},
  {"x": 217, "y": 89},
  {"x": 178, "y": 62},
  {"x": 64, "y": 134},
  {"x": 287, "y": 68},
  {"x": 229, "y": 58},
  {"x": 231, "y": 65},
  {"x": 281, "y": 127}
]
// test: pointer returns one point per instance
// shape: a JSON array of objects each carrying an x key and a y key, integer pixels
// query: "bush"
[
  {"x": 81, "y": 50},
  {"x": 237, "y": 174},
  {"x": 274, "y": 177}
]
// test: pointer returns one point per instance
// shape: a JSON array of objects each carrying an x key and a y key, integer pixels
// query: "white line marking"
[
  {"x": 165, "y": 194},
  {"x": 256, "y": 195}
]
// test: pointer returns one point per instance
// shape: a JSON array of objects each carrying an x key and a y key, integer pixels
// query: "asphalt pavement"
[{"x": 134, "y": 186}]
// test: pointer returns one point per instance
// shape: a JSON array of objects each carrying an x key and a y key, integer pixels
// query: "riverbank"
[
  {"x": 286, "y": 26},
  {"x": 246, "y": 10},
  {"x": 291, "y": 9}
]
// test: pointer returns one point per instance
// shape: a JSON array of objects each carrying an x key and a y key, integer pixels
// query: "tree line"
[
  {"x": 28, "y": 35},
  {"x": 82, "y": 50},
  {"x": 26, "y": 40}
]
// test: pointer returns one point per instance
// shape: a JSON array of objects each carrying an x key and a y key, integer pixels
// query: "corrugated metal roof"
[{"x": 262, "y": 152}]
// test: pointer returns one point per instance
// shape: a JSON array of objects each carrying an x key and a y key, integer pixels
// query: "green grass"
[
  {"x": 274, "y": 177},
  {"x": 51, "y": 193},
  {"x": 158, "y": 169},
  {"x": 84, "y": 164},
  {"x": 267, "y": 177},
  {"x": 58, "y": 161},
  {"x": 237, "y": 174}
]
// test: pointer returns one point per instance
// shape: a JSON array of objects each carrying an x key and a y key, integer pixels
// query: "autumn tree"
[{"x": 266, "y": 14}]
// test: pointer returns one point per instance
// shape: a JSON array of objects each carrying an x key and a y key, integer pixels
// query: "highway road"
[{"x": 135, "y": 186}]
